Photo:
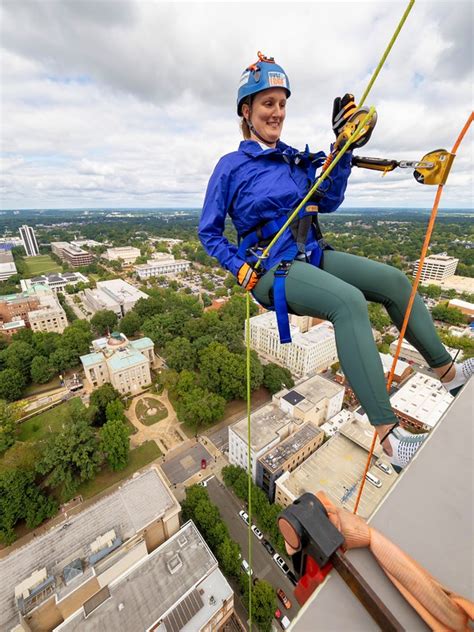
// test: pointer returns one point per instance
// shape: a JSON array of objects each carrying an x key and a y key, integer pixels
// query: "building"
[
  {"x": 50, "y": 316},
  {"x": 176, "y": 588},
  {"x": 116, "y": 295},
  {"x": 124, "y": 364},
  {"x": 337, "y": 468},
  {"x": 74, "y": 255},
  {"x": 159, "y": 265},
  {"x": 421, "y": 402},
  {"x": 313, "y": 400},
  {"x": 72, "y": 564},
  {"x": 436, "y": 267},
  {"x": 309, "y": 352},
  {"x": 412, "y": 356},
  {"x": 28, "y": 238},
  {"x": 12, "y": 327},
  {"x": 286, "y": 456},
  {"x": 15, "y": 307},
  {"x": 88, "y": 243},
  {"x": 126, "y": 254},
  {"x": 7, "y": 265},
  {"x": 333, "y": 425},
  {"x": 463, "y": 306},
  {"x": 56, "y": 281}
]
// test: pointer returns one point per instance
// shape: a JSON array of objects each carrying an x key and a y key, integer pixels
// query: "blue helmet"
[{"x": 261, "y": 75}]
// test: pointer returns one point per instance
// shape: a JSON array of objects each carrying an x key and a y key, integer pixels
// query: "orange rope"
[{"x": 424, "y": 250}]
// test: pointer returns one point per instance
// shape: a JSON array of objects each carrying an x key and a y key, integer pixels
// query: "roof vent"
[
  {"x": 121, "y": 606},
  {"x": 212, "y": 600},
  {"x": 174, "y": 564}
]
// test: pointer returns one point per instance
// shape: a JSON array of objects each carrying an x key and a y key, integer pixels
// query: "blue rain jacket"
[{"x": 255, "y": 186}]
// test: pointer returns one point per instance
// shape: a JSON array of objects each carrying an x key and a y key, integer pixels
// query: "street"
[{"x": 262, "y": 563}]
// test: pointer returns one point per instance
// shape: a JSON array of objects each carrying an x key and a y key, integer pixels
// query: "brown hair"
[{"x": 243, "y": 122}]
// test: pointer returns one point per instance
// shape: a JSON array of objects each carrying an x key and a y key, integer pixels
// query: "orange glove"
[{"x": 247, "y": 277}]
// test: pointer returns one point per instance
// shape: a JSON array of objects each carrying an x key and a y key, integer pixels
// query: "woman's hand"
[{"x": 247, "y": 277}]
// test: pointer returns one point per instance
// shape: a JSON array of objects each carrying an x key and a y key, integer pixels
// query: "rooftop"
[
  {"x": 423, "y": 398},
  {"x": 278, "y": 455},
  {"x": 267, "y": 424},
  {"x": 121, "y": 291},
  {"x": 429, "y": 514},
  {"x": 91, "y": 358},
  {"x": 125, "y": 358},
  {"x": 127, "y": 510},
  {"x": 337, "y": 468},
  {"x": 179, "y": 583},
  {"x": 142, "y": 343}
]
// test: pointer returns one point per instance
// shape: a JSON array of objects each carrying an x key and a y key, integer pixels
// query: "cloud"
[{"x": 133, "y": 101}]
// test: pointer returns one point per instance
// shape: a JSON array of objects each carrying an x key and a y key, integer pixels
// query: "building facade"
[
  {"x": 165, "y": 264},
  {"x": 7, "y": 265},
  {"x": 49, "y": 317},
  {"x": 28, "y": 239},
  {"x": 436, "y": 267},
  {"x": 74, "y": 255},
  {"x": 124, "y": 364},
  {"x": 79, "y": 558},
  {"x": 127, "y": 254},
  {"x": 37, "y": 308},
  {"x": 309, "y": 352},
  {"x": 463, "y": 306}
]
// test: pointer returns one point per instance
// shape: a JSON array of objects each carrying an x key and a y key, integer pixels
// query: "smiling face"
[{"x": 267, "y": 113}]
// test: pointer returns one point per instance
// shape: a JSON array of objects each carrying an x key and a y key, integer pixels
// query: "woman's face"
[{"x": 267, "y": 113}]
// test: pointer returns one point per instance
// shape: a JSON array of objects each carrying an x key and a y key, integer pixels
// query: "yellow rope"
[{"x": 249, "y": 459}]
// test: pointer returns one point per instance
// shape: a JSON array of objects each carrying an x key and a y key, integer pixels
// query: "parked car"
[
  {"x": 245, "y": 517},
  {"x": 283, "y": 598},
  {"x": 373, "y": 480},
  {"x": 285, "y": 623},
  {"x": 292, "y": 577},
  {"x": 257, "y": 533},
  {"x": 246, "y": 568},
  {"x": 278, "y": 614},
  {"x": 279, "y": 561},
  {"x": 269, "y": 547}
]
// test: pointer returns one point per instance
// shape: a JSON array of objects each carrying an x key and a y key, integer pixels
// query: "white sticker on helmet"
[
  {"x": 244, "y": 78},
  {"x": 277, "y": 79}
]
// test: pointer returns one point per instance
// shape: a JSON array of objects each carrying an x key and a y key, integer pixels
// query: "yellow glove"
[{"x": 247, "y": 277}]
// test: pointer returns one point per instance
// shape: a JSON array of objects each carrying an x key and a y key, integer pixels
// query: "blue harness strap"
[
  {"x": 279, "y": 300},
  {"x": 267, "y": 231}
]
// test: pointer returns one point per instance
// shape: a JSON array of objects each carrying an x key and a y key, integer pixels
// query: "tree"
[
  {"x": 263, "y": 604},
  {"x": 378, "y": 316},
  {"x": 130, "y": 324},
  {"x": 104, "y": 321},
  {"x": 100, "y": 398},
  {"x": 72, "y": 456},
  {"x": 21, "y": 499},
  {"x": 179, "y": 354},
  {"x": 11, "y": 385},
  {"x": 276, "y": 377},
  {"x": 114, "y": 410},
  {"x": 450, "y": 315},
  {"x": 227, "y": 552},
  {"x": 41, "y": 370},
  {"x": 7, "y": 426},
  {"x": 115, "y": 442},
  {"x": 199, "y": 407},
  {"x": 18, "y": 356}
]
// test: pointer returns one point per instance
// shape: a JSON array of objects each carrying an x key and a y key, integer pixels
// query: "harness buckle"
[{"x": 283, "y": 269}]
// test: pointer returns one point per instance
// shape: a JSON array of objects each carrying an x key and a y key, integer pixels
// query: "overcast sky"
[{"x": 107, "y": 103}]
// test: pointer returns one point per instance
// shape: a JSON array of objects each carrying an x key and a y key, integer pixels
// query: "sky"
[{"x": 112, "y": 103}]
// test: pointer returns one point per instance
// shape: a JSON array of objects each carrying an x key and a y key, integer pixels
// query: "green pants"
[{"x": 338, "y": 292}]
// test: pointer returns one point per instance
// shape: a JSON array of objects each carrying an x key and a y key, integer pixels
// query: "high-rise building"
[
  {"x": 28, "y": 238},
  {"x": 74, "y": 255},
  {"x": 436, "y": 267}
]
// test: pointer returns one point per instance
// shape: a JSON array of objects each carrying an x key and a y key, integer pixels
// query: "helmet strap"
[{"x": 255, "y": 133}]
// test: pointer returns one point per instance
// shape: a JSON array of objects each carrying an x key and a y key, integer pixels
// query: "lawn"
[
  {"x": 42, "y": 264},
  {"x": 44, "y": 424},
  {"x": 139, "y": 457},
  {"x": 37, "y": 389},
  {"x": 146, "y": 404}
]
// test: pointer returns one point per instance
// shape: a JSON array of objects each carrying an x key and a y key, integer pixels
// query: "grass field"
[
  {"x": 139, "y": 457},
  {"x": 40, "y": 426},
  {"x": 42, "y": 264},
  {"x": 144, "y": 405}
]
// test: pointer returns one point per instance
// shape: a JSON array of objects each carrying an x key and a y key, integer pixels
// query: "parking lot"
[{"x": 186, "y": 464}]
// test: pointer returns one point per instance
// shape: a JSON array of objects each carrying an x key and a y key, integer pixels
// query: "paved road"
[
  {"x": 220, "y": 439},
  {"x": 263, "y": 565}
]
